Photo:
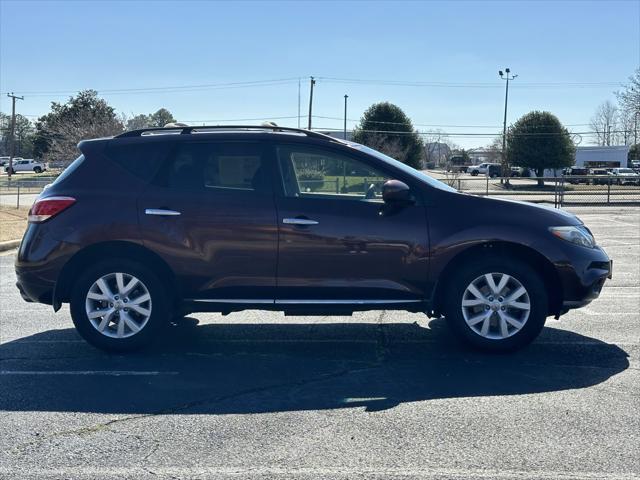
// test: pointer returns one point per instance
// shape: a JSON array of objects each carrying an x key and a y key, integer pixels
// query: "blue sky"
[{"x": 66, "y": 46}]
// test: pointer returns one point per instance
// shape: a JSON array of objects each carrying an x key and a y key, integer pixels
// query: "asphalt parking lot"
[{"x": 377, "y": 395}]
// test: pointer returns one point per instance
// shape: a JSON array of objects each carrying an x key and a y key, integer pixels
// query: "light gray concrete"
[{"x": 257, "y": 395}]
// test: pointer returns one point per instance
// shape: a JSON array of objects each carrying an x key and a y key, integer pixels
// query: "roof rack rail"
[{"x": 191, "y": 129}]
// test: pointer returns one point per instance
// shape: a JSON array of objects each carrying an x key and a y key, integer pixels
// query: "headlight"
[{"x": 578, "y": 235}]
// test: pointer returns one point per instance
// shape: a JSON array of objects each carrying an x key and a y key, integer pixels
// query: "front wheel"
[
  {"x": 119, "y": 305},
  {"x": 496, "y": 305},
  {"x": 37, "y": 170}
]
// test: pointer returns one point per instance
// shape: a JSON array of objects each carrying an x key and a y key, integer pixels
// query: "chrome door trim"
[
  {"x": 300, "y": 301},
  {"x": 299, "y": 221},
  {"x": 261, "y": 301},
  {"x": 342, "y": 302},
  {"x": 161, "y": 212}
]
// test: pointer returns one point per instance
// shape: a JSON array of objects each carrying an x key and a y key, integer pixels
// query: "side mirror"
[{"x": 396, "y": 192}]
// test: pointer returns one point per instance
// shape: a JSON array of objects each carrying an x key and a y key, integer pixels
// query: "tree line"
[
  {"x": 537, "y": 141},
  {"x": 55, "y": 136}
]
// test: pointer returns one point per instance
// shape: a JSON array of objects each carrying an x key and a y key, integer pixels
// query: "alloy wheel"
[
  {"x": 118, "y": 305},
  {"x": 496, "y": 306}
]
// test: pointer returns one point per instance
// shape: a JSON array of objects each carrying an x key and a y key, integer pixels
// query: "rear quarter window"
[
  {"x": 140, "y": 159},
  {"x": 67, "y": 172}
]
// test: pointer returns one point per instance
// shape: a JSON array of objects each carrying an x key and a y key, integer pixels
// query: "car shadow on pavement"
[{"x": 257, "y": 368}]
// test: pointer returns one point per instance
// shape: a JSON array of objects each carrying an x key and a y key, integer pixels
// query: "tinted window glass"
[
  {"x": 69, "y": 170},
  {"x": 141, "y": 159},
  {"x": 218, "y": 166},
  {"x": 318, "y": 173}
]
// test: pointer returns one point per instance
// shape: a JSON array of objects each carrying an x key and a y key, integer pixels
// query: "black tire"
[
  {"x": 160, "y": 305},
  {"x": 37, "y": 169},
  {"x": 474, "y": 173},
  {"x": 526, "y": 275}
]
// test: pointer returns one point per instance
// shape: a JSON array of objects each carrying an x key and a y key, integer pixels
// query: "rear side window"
[
  {"x": 218, "y": 167},
  {"x": 69, "y": 170},
  {"x": 141, "y": 159}
]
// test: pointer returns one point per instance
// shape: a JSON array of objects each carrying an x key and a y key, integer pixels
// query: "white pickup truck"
[{"x": 26, "y": 165}]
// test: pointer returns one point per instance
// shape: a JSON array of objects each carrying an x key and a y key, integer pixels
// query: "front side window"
[
  {"x": 317, "y": 173},
  {"x": 218, "y": 166}
]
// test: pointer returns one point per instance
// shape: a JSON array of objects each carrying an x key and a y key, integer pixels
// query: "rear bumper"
[{"x": 38, "y": 265}]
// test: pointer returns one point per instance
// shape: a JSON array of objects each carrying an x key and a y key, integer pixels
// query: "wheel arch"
[
  {"x": 525, "y": 254},
  {"x": 111, "y": 249}
]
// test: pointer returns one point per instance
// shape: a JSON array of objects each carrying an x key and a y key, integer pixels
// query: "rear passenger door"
[{"x": 210, "y": 214}]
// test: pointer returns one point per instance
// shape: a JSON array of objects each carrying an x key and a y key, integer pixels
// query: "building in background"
[{"x": 602, "y": 157}]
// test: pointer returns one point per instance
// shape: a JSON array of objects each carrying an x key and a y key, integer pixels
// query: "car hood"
[{"x": 517, "y": 212}]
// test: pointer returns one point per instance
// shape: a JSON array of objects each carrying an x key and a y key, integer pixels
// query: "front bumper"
[{"x": 584, "y": 276}]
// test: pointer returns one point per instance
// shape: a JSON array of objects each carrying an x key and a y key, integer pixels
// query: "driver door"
[{"x": 337, "y": 242}]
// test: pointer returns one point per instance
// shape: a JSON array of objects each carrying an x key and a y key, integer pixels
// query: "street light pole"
[
  {"x": 635, "y": 129},
  {"x": 505, "y": 165},
  {"x": 345, "y": 116},
  {"x": 12, "y": 146},
  {"x": 313, "y": 82}
]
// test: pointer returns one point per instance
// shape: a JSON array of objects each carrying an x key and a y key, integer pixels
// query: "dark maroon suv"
[{"x": 158, "y": 223}]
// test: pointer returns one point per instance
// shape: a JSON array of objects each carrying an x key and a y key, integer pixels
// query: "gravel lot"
[{"x": 257, "y": 395}]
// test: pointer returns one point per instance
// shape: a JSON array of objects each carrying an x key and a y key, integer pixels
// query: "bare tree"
[
  {"x": 389, "y": 146},
  {"x": 82, "y": 117},
  {"x": 437, "y": 148},
  {"x": 625, "y": 129},
  {"x": 603, "y": 122},
  {"x": 629, "y": 97}
]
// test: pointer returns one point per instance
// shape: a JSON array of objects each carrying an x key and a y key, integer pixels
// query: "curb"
[{"x": 9, "y": 245}]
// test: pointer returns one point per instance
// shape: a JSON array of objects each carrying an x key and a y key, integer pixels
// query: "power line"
[
  {"x": 175, "y": 88},
  {"x": 468, "y": 84},
  {"x": 438, "y": 125},
  {"x": 467, "y": 134}
]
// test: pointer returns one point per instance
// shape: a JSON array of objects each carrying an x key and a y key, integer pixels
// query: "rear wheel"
[
  {"x": 119, "y": 305},
  {"x": 496, "y": 305}
]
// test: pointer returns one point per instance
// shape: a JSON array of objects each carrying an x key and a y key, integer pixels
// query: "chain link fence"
[
  {"x": 21, "y": 192},
  {"x": 558, "y": 191}
]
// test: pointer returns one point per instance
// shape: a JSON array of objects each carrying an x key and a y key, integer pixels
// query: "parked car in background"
[
  {"x": 625, "y": 176},
  {"x": 519, "y": 172},
  {"x": 4, "y": 161},
  {"x": 147, "y": 227},
  {"x": 576, "y": 175},
  {"x": 494, "y": 170},
  {"x": 480, "y": 169},
  {"x": 600, "y": 176},
  {"x": 26, "y": 165}
]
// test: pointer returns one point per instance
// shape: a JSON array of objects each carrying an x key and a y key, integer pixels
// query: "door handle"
[
  {"x": 299, "y": 221},
  {"x": 161, "y": 212}
]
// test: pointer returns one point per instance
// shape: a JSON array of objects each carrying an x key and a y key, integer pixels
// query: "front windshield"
[{"x": 405, "y": 168}]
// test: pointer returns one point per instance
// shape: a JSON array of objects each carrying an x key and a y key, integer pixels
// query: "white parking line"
[
  {"x": 109, "y": 373},
  {"x": 264, "y": 471}
]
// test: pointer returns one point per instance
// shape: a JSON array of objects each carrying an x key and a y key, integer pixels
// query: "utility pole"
[
  {"x": 313, "y": 82},
  {"x": 298, "y": 103},
  {"x": 12, "y": 145},
  {"x": 635, "y": 129},
  {"x": 345, "y": 116},
  {"x": 608, "y": 135},
  {"x": 505, "y": 165}
]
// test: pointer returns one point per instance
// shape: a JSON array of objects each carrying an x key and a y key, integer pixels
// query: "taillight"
[{"x": 48, "y": 207}]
